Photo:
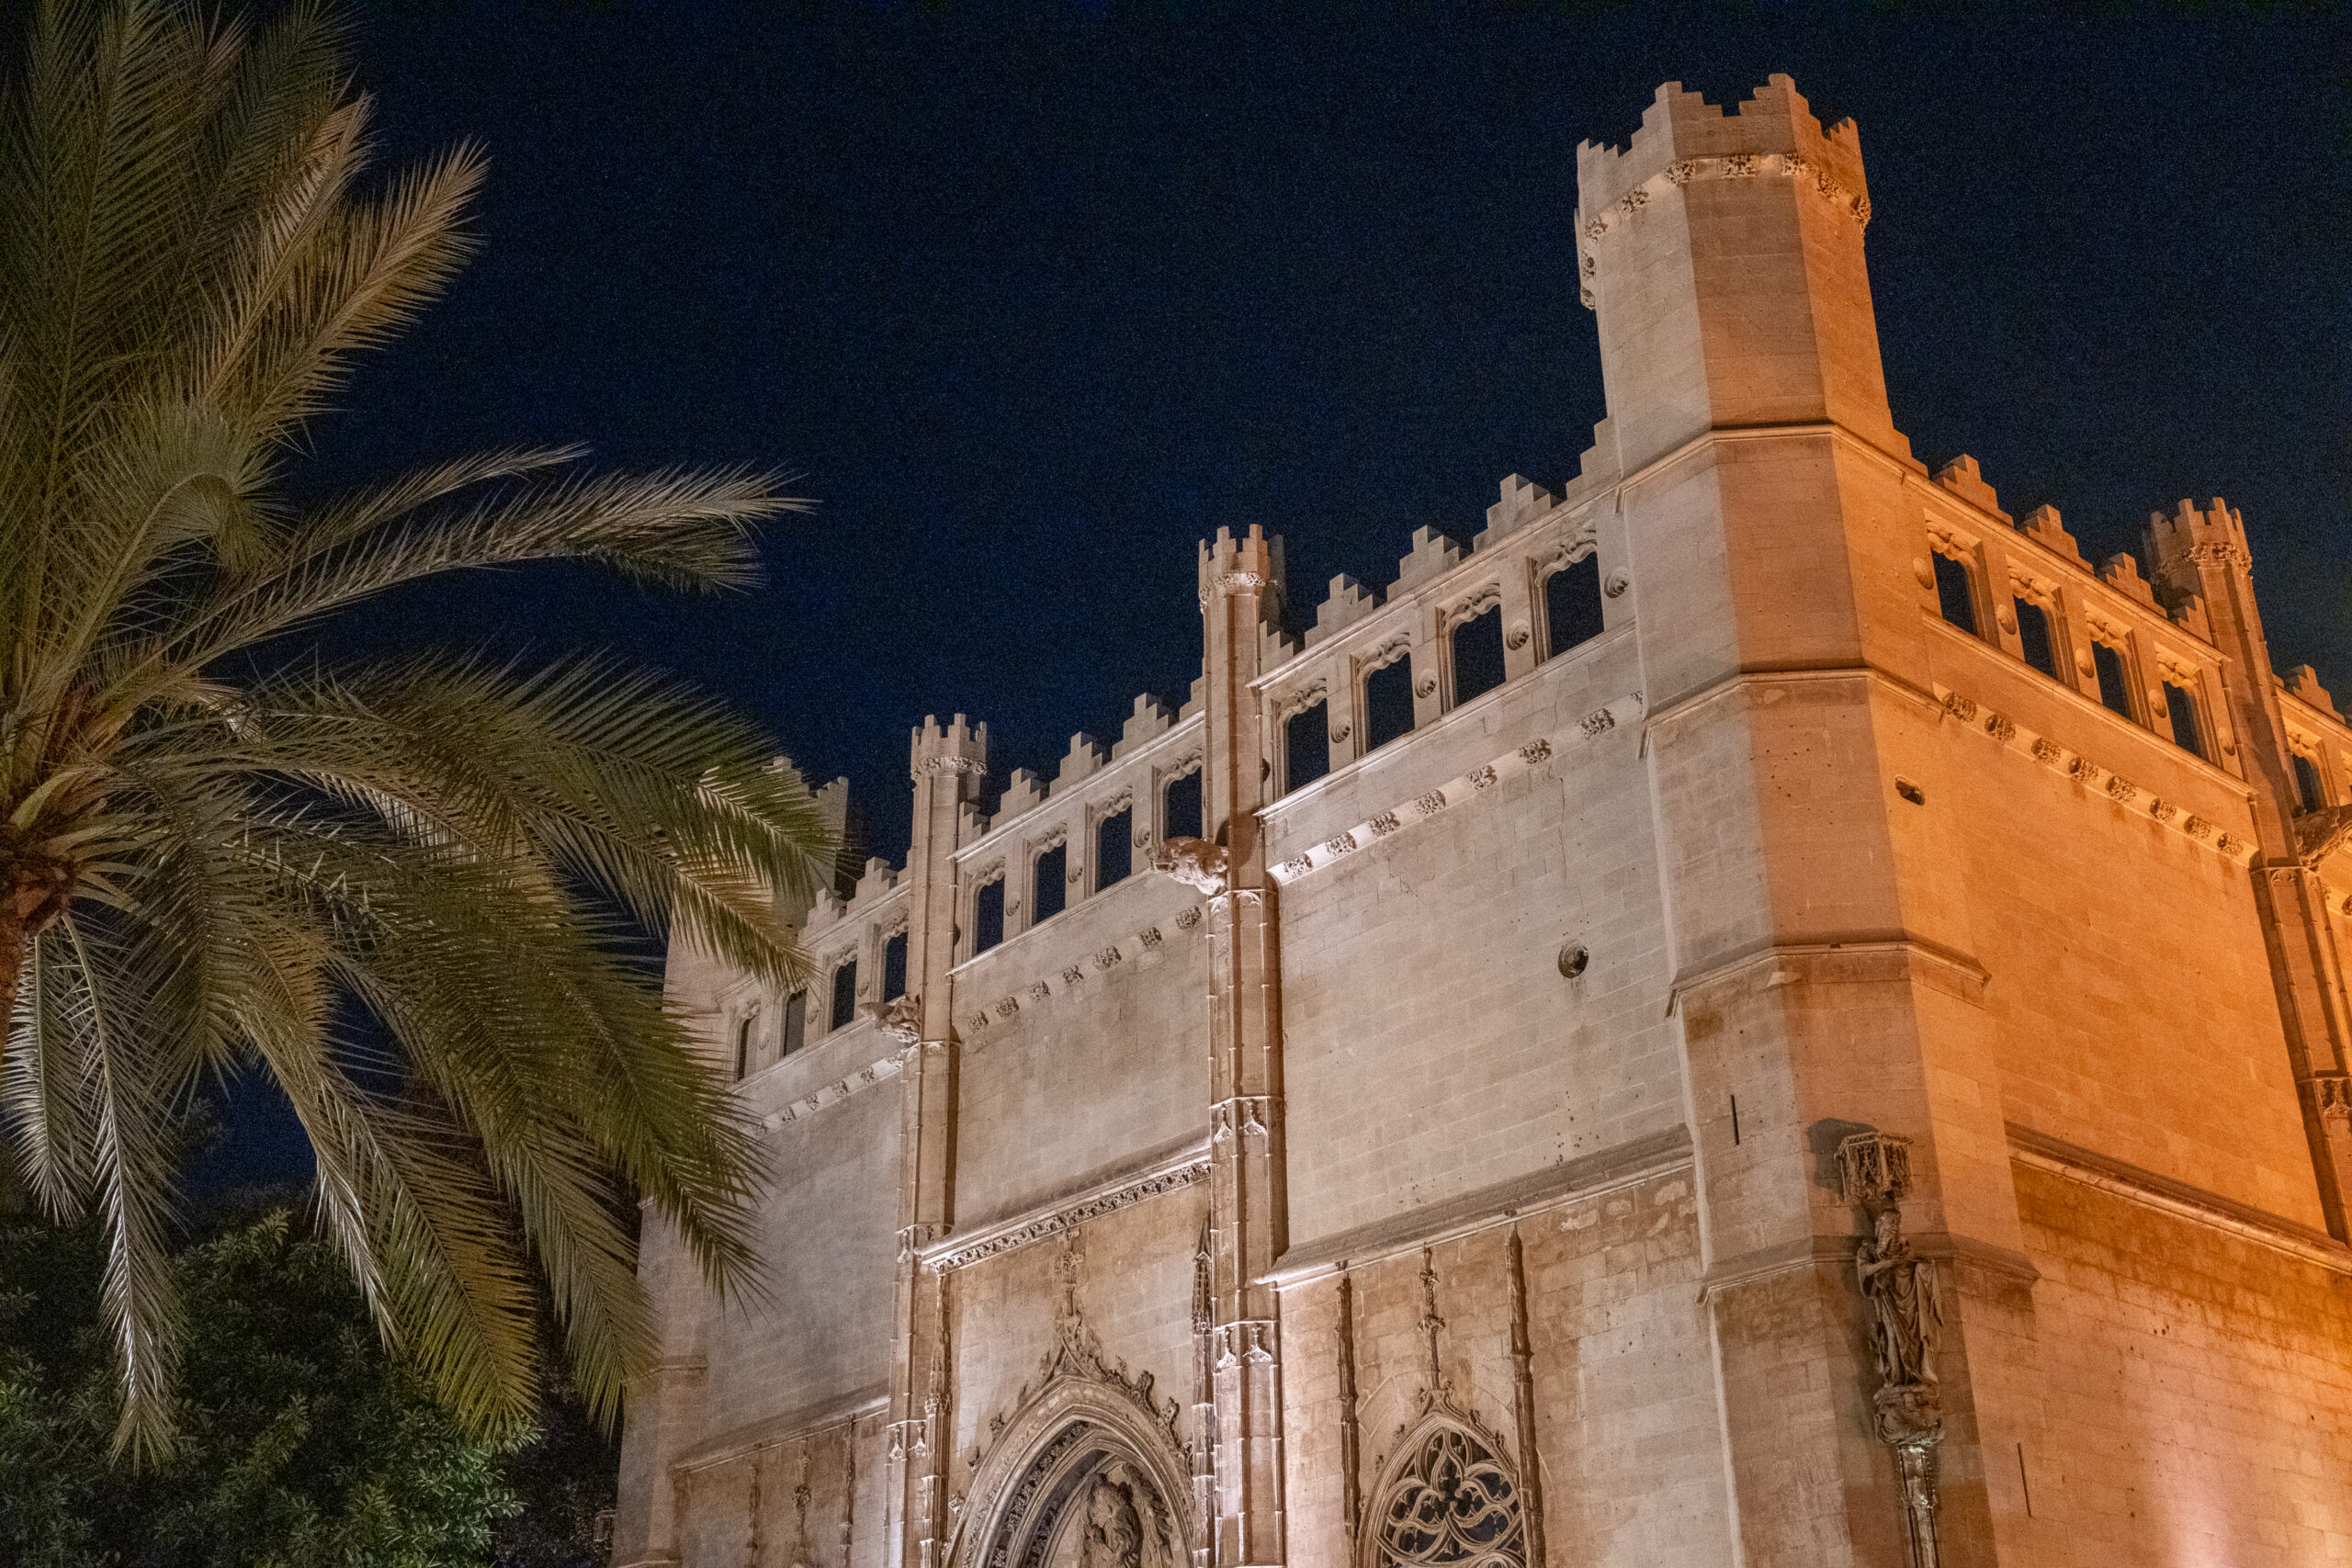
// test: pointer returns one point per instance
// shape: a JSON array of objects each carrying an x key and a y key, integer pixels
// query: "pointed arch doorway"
[{"x": 1080, "y": 1481}]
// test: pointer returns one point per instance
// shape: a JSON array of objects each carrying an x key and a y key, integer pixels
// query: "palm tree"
[{"x": 405, "y": 892}]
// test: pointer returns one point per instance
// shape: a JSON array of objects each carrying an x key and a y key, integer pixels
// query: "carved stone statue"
[
  {"x": 1193, "y": 862},
  {"x": 903, "y": 1019},
  {"x": 1900, "y": 1285},
  {"x": 1114, "y": 1528}
]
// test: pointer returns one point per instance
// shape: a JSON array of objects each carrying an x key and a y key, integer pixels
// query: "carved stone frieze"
[
  {"x": 2085, "y": 770},
  {"x": 837, "y": 1091},
  {"x": 1529, "y": 754},
  {"x": 964, "y": 1254}
]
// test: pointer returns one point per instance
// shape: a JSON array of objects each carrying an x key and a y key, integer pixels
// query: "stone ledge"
[
  {"x": 2039, "y": 1151},
  {"x": 1638, "y": 1161},
  {"x": 789, "y": 1427}
]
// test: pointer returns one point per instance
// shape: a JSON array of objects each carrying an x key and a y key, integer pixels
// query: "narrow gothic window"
[
  {"x": 1115, "y": 850},
  {"x": 1181, "y": 806},
  {"x": 1478, "y": 655},
  {"x": 1307, "y": 746},
  {"x": 1572, "y": 605},
  {"x": 1388, "y": 703},
  {"x": 796, "y": 1023},
  {"x": 743, "y": 1043},
  {"x": 894, "y": 967},
  {"x": 1954, "y": 597},
  {"x": 844, "y": 994},
  {"x": 2183, "y": 707},
  {"x": 988, "y": 915},
  {"x": 1453, "y": 1503},
  {"x": 2033, "y": 631},
  {"x": 2307, "y": 784},
  {"x": 2111, "y": 689},
  {"x": 1051, "y": 894}
]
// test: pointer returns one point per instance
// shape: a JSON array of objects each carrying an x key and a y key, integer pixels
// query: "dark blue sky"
[{"x": 1033, "y": 297}]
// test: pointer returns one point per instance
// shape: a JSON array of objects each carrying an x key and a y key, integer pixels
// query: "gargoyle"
[{"x": 1193, "y": 862}]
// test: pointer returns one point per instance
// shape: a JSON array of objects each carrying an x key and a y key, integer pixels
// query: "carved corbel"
[{"x": 1195, "y": 862}]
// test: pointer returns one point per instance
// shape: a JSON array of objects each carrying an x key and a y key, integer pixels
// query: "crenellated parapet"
[{"x": 1684, "y": 139}]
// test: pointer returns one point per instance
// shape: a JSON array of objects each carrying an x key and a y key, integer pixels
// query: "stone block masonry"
[{"x": 1838, "y": 1058}]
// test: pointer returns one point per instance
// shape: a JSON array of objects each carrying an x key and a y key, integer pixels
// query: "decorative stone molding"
[
  {"x": 1188, "y": 917},
  {"x": 1245, "y": 1116},
  {"x": 2332, "y": 1093},
  {"x": 835, "y": 1092},
  {"x": 964, "y": 1253},
  {"x": 1245, "y": 1340},
  {"x": 965, "y": 765},
  {"x": 1808, "y": 174},
  {"x": 1405, "y": 815},
  {"x": 2091, "y": 774}
]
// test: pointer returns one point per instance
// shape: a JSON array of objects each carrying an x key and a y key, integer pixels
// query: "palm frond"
[{"x": 202, "y": 871}]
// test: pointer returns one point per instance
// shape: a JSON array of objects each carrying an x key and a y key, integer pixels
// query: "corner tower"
[
  {"x": 1722, "y": 255},
  {"x": 1823, "y": 974}
]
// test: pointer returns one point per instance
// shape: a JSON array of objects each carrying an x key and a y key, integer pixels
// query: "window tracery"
[{"x": 1453, "y": 1503}]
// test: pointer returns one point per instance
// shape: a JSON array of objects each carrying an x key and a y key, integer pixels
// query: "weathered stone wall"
[
  {"x": 2197, "y": 1384},
  {"x": 1431, "y": 1045},
  {"x": 1832, "y": 867},
  {"x": 1094, "y": 1072}
]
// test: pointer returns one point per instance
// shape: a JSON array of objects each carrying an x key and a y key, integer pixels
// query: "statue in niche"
[
  {"x": 1899, "y": 1288},
  {"x": 1900, "y": 1285}
]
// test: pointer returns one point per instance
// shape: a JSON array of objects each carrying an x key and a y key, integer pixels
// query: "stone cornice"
[
  {"x": 1409, "y": 814},
  {"x": 1570, "y": 1181},
  {"x": 1186, "y": 1169},
  {"x": 2039, "y": 1151}
]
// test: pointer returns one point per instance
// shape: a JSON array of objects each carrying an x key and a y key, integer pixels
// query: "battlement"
[
  {"x": 1678, "y": 126},
  {"x": 2178, "y": 540},
  {"x": 956, "y": 746},
  {"x": 1254, "y": 560}
]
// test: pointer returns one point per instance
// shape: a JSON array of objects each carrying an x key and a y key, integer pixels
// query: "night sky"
[{"x": 1031, "y": 298}]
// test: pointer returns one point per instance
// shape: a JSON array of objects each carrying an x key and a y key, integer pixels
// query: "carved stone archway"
[{"x": 1081, "y": 1478}]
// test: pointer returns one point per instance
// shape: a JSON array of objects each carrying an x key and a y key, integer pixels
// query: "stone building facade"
[{"x": 1765, "y": 1012}]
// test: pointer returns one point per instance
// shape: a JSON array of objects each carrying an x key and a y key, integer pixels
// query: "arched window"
[
  {"x": 743, "y": 1043},
  {"x": 2113, "y": 690},
  {"x": 844, "y": 994},
  {"x": 1388, "y": 703},
  {"x": 2307, "y": 785},
  {"x": 894, "y": 967},
  {"x": 1451, "y": 1504},
  {"x": 987, "y": 915},
  {"x": 1114, "y": 851},
  {"x": 1307, "y": 746},
  {"x": 1477, "y": 655},
  {"x": 2033, "y": 633},
  {"x": 1051, "y": 894},
  {"x": 2186, "y": 732},
  {"x": 1181, "y": 806},
  {"x": 1572, "y": 605},
  {"x": 1955, "y": 595}
]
